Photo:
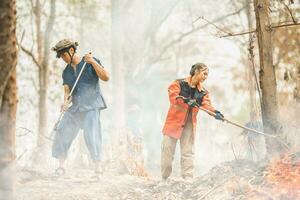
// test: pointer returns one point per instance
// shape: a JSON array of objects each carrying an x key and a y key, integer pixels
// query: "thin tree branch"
[
  {"x": 236, "y": 34},
  {"x": 232, "y": 148},
  {"x": 285, "y": 25},
  {"x": 289, "y": 11},
  {"x": 32, "y": 4},
  {"x": 32, "y": 101},
  {"x": 29, "y": 53},
  {"x": 214, "y": 188},
  {"x": 26, "y": 129},
  {"x": 163, "y": 18},
  {"x": 279, "y": 25},
  {"x": 32, "y": 22},
  {"x": 231, "y": 14},
  {"x": 156, "y": 23},
  {"x": 193, "y": 30},
  {"x": 221, "y": 29},
  {"x": 48, "y": 34},
  {"x": 21, "y": 155},
  {"x": 34, "y": 85}
]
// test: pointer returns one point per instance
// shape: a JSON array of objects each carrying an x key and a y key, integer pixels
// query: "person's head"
[
  {"x": 65, "y": 49},
  {"x": 199, "y": 73}
]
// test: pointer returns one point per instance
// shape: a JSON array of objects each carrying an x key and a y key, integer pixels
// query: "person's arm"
[
  {"x": 66, "y": 93},
  {"x": 67, "y": 101},
  {"x": 99, "y": 69},
  {"x": 206, "y": 103},
  {"x": 174, "y": 90}
]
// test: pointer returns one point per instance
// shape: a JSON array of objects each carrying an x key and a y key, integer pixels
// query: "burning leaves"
[
  {"x": 129, "y": 155},
  {"x": 284, "y": 175},
  {"x": 239, "y": 179}
]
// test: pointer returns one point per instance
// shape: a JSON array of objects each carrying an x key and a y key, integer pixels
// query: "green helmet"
[{"x": 64, "y": 45}]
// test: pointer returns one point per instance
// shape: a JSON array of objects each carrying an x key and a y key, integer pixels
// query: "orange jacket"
[{"x": 178, "y": 110}]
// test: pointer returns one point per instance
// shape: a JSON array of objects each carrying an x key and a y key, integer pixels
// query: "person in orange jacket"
[{"x": 181, "y": 120}]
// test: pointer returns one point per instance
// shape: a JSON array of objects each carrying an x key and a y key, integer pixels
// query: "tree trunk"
[
  {"x": 42, "y": 90},
  {"x": 297, "y": 88},
  {"x": 43, "y": 50},
  {"x": 8, "y": 103},
  {"x": 118, "y": 68},
  {"x": 250, "y": 71},
  {"x": 297, "y": 97},
  {"x": 267, "y": 75}
]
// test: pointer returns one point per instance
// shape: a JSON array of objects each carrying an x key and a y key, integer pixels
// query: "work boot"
[
  {"x": 163, "y": 182},
  {"x": 188, "y": 180},
  {"x": 59, "y": 172},
  {"x": 98, "y": 168}
]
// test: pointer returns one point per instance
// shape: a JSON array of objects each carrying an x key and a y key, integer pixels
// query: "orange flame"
[{"x": 284, "y": 175}]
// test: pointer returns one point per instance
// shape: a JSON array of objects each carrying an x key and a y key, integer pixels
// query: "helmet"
[{"x": 64, "y": 45}]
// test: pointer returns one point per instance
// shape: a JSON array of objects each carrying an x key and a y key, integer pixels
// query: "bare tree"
[
  {"x": 8, "y": 97},
  {"x": 267, "y": 74},
  {"x": 297, "y": 95},
  {"x": 129, "y": 48},
  {"x": 251, "y": 68},
  {"x": 117, "y": 61},
  {"x": 41, "y": 59}
]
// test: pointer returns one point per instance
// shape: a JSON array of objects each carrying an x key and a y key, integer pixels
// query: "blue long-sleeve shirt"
[{"x": 87, "y": 94}]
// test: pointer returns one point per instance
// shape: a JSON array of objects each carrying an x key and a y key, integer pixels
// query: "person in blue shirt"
[
  {"x": 82, "y": 110},
  {"x": 256, "y": 149}
]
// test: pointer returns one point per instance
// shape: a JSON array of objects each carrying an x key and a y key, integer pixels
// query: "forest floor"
[{"x": 239, "y": 179}]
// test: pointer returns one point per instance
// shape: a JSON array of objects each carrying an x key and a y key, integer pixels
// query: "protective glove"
[
  {"x": 192, "y": 103},
  {"x": 219, "y": 115},
  {"x": 186, "y": 100}
]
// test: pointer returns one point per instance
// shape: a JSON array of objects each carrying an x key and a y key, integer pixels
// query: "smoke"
[{"x": 154, "y": 52}]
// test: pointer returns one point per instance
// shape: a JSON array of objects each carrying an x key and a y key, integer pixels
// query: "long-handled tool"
[
  {"x": 69, "y": 96},
  {"x": 234, "y": 123},
  {"x": 50, "y": 138},
  {"x": 227, "y": 120}
]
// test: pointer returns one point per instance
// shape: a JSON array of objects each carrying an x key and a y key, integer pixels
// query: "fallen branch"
[{"x": 214, "y": 188}]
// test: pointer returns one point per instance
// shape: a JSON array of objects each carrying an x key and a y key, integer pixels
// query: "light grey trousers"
[{"x": 186, "y": 151}]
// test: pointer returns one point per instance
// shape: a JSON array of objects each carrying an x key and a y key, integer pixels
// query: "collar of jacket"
[{"x": 199, "y": 86}]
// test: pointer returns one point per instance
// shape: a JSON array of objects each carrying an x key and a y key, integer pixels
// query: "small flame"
[{"x": 284, "y": 175}]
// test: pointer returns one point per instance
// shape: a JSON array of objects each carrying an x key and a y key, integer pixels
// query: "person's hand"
[
  {"x": 192, "y": 103},
  {"x": 66, "y": 105},
  {"x": 88, "y": 58},
  {"x": 186, "y": 100},
  {"x": 219, "y": 115}
]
